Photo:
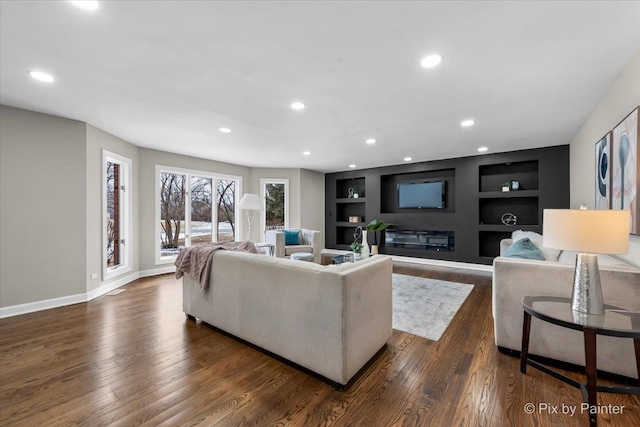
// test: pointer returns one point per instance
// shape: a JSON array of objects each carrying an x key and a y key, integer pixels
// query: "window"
[
  {"x": 275, "y": 193},
  {"x": 226, "y": 206},
  {"x": 193, "y": 208},
  {"x": 116, "y": 215}
]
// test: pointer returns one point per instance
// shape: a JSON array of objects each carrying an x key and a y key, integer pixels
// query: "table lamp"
[
  {"x": 250, "y": 202},
  {"x": 587, "y": 232}
]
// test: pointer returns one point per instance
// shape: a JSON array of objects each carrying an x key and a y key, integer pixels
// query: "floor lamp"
[
  {"x": 587, "y": 232},
  {"x": 250, "y": 202}
]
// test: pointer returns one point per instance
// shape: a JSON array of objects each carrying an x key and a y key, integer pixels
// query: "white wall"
[
  {"x": 312, "y": 197},
  {"x": 51, "y": 206},
  {"x": 293, "y": 175},
  {"x": 615, "y": 105},
  {"x": 97, "y": 141},
  {"x": 306, "y": 197},
  {"x": 42, "y": 213}
]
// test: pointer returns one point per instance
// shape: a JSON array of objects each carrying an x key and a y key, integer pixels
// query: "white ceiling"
[{"x": 168, "y": 74}]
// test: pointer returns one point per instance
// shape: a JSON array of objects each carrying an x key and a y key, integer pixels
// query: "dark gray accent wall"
[{"x": 474, "y": 200}]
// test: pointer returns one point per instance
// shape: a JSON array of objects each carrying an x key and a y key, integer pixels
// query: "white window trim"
[
  {"x": 191, "y": 172},
  {"x": 126, "y": 259},
  {"x": 263, "y": 194}
]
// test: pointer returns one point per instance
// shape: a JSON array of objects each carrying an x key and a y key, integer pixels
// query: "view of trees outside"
[
  {"x": 172, "y": 207},
  {"x": 226, "y": 195},
  {"x": 173, "y": 195},
  {"x": 113, "y": 220},
  {"x": 274, "y": 205},
  {"x": 201, "y": 212}
]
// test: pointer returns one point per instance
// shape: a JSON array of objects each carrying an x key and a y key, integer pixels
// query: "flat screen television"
[{"x": 419, "y": 195}]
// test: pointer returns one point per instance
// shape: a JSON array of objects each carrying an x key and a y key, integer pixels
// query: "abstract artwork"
[
  {"x": 625, "y": 173},
  {"x": 603, "y": 172}
]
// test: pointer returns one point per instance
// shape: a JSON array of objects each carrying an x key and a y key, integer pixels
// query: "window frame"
[
  {"x": 125, "y": 215},
  {"x": 190, "y": 173},
  {"x": 263, "y": 194}
]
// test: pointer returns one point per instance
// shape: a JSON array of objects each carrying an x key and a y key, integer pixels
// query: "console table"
[{"x": 616, "y": 322}]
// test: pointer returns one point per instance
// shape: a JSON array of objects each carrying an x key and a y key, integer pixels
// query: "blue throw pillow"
[
  {"x": 524, "y": 249},
  {"x": 291, "y": 237}
]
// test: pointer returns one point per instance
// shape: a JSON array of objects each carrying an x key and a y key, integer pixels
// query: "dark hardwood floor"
[{"x": 134, "y": 359}]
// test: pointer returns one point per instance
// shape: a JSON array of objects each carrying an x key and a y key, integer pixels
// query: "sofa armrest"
[
  {"x": 368, "y": 310},
  {"x": 312, "y": 238},
  {"x": 514, "y": 279},
  {"x": 276, "y": 238}
]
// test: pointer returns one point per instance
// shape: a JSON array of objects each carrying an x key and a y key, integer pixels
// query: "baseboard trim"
[
  {"x": 101, "y": 290},
  {"x": 441, "y": 263},
  {"x": 32, "y": 307},
  {"x": 158, "y": 271},
  {"x": 425, "y": 261}
]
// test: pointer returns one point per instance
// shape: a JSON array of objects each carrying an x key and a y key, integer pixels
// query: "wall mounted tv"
[{"x": 422, "y": 195}]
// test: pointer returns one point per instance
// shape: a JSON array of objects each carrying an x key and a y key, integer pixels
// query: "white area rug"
[{"x": 425, "y": 307}]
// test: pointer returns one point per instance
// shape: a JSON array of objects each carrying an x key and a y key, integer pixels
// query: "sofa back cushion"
[
  {"x": 291, "y": 237},
  {"x": 524, "y": 249}
]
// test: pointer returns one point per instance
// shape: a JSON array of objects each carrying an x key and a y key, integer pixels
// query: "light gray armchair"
[{"x": 309, "y": 243}]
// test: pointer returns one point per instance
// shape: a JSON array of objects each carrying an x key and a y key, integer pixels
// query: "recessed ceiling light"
[
  {"x": 431, "y": 61},
  {"x": 371, "y": 141},
  {"x": 306, "y": 153},
  {"x": 298, "y": 106},
  {"x": 86, "y": 4},
  {"x": 467, "y": 123},
  {"x": 407, "y": 159},
  {"x": 482, "y": 149},
  {"x": 352, "y": 166},
  {"x": 225, "y": 130},
  {"x": 43, "y": 77}
]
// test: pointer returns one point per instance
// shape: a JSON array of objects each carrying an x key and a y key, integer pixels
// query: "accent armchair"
[{"x": 309, "y": 243}]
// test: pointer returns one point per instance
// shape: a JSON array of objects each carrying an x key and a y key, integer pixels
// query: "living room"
[{"x": 210, "y": 89}]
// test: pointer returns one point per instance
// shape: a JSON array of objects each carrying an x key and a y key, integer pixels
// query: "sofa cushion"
[
  {"x": 291, "y": 237},
  {"x": 524, "y": 249},
  {"x": 548, "y": 253},
  {"x": 288, "y": 250}
]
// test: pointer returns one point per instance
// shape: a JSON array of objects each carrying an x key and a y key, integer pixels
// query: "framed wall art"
[
  {"x": 603, "y": 173},
  {"x": 625, "y": 172}
]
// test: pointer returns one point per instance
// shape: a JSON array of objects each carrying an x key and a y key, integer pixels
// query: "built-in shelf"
[
  {"x": 356, "y": 200},
  {"x": 508, "y": 194},
  {"x": 350, "y": 224},
  {"x": 494, "y": 203},
  {"x": 475, "y": 202},
  {"x": 492, "y": 176},
  {"x": 501, "y": 227}
]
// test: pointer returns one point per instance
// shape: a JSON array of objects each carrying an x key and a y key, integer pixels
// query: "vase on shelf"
[
  {"x": 374, "y": 243},
  {"x": 364, "y": 252}
]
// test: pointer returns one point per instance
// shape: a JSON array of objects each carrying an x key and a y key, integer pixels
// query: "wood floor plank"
[{"x": 134, "y": 359}]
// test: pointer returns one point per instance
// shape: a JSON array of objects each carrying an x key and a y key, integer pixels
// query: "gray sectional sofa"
[
  {"x": 329, "y": 319},
  {"x": 514, "y": 279}
]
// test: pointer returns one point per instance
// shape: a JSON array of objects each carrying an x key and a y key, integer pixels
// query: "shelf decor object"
[
  {"x": 603, "y": 172},
  {"x": 587, "y": 232},
  {"x": 509, "y": 219},
  {"x": 375, "y": 226},
  {"x": 250, "y": 202},
  {"x": 625, "y": 171}
]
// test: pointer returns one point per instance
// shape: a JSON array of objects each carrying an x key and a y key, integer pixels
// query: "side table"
[
  {"x": 270, "y": 247},
  {"x": 616, "y": 322}
]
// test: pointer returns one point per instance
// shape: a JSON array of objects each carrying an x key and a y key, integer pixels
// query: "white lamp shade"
[
  {"x": 251, "y": 202},
  {"x": 592, "y": 231}
]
